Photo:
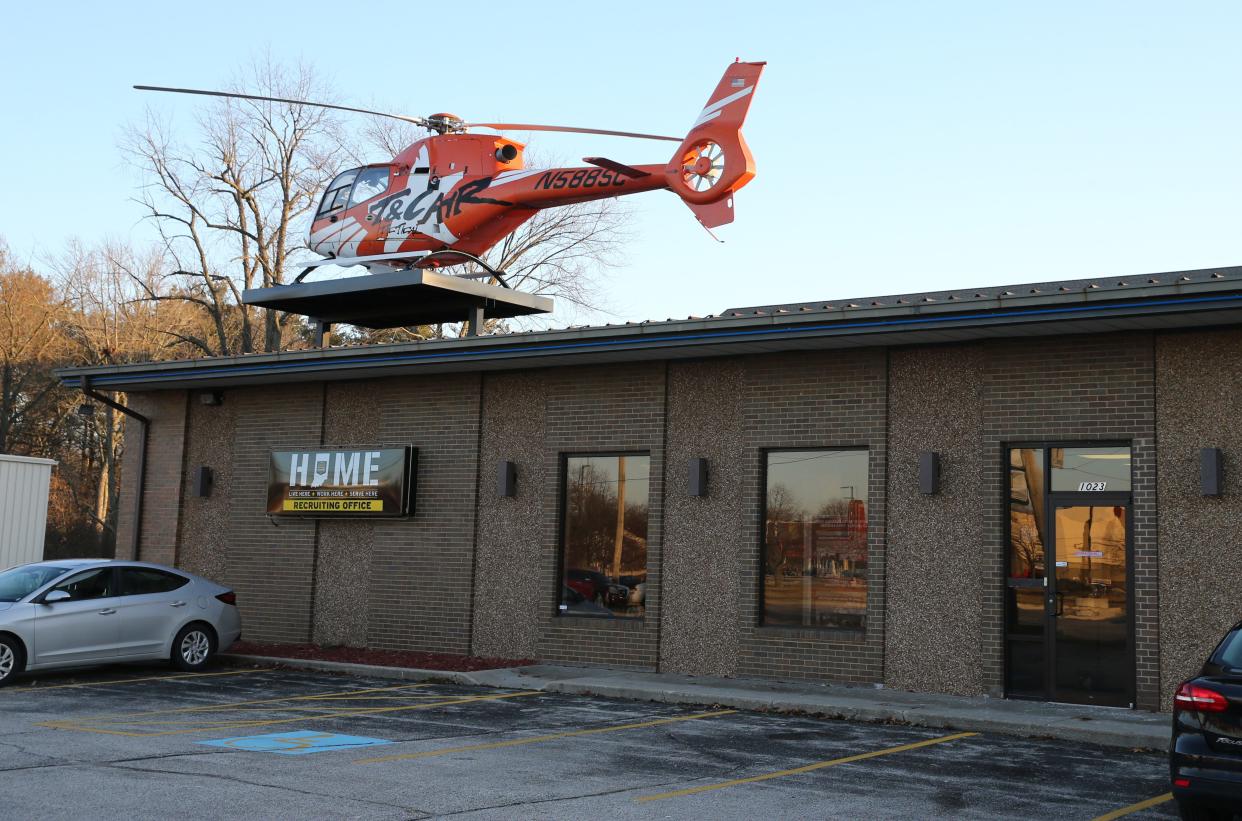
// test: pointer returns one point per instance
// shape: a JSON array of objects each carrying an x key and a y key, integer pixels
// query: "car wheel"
[
  {"x": 193, "y": 647},
  {"x": 11, "y": 660},
  {"x": 1194, "y": 811}
]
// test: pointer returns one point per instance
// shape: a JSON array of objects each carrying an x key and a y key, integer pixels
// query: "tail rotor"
[{"x": 702, "y": 166}]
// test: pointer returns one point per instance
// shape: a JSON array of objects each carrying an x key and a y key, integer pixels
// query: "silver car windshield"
[{"x": 20, "y": 582}]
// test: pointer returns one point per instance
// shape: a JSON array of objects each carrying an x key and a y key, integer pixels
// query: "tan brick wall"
[
  {"x": 704, "y": 551},
  {"x": 936, "y": 548},
  {"x": 165, "y": 451},
  {"x": 419, "y": 584},
  {"x": 594, "y": 410},
  {"x": 422, "y": 568},
  {"x": 1198, "y": 405},
  {"x": 270, "y": 562},
  {"x": 1071, "y": 389},
  {"x": 816, "y": 399},
  {"x": 210, "y": 435},
  {"x": 343, "y": 561},
  {"x": 509, "y": 573}
]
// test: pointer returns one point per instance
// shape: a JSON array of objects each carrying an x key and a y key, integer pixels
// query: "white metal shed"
[{"x": 24, "y": 484}]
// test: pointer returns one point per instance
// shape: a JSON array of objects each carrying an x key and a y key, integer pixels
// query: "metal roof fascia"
[
  {"x": 213, "y": 371},
  {"x": 981, "y": 307}
]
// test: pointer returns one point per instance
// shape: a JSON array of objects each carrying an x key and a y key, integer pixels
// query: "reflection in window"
[
  {"x": 338, "y": 192},
  {"x": 371, "y": 183},
  {"x": 1090, "y": 469},
  {"x": 1026, "y": 513},
  {"x": 93, "y": 584},
  {"x": 815, "y": 539},
  {"x": 140, "y": 581},
  {"x": 605, "y": 537}
]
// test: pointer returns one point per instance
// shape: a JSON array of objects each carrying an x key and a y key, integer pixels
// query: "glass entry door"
[
  {"x": 1068, "y": 599},
  {"x": 1090, "y": 604}
]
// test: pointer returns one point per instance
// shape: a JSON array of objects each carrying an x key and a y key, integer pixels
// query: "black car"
[{"x": 1205, "y": 756}]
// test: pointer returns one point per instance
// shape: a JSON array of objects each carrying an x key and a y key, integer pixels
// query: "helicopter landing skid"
[
  {"x": 432, "y": 260},
  {"x": 406, "y": 261}
]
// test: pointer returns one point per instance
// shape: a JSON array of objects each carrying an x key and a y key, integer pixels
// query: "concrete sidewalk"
[{"x": 1107, "y": 726}]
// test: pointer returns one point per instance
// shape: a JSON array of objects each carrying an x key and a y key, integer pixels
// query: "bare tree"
[
  {"x": 108, "y": 320},
  {"x": 30, "y": 346},
  {"x": 233, "y": 208}
]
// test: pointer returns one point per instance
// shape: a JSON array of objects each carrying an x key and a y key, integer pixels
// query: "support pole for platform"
[
  {"x": 320, "y": 332},
  {"x": 474, "y": 322}
]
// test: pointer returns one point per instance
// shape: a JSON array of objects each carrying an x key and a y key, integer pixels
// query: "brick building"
[{"x": 1012, "y": 490}]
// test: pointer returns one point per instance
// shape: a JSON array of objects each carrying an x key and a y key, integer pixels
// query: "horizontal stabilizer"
[{"x": 616, "y": 167}]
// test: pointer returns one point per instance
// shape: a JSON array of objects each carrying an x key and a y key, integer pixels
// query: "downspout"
[{"x": 142, "y": 456}]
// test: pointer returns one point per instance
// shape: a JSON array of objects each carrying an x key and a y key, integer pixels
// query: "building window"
[
  {"x": 815, "y": 539},
  {"x": 1026, "y": 517},
  {"x": 1092, "y": 469},
  {"x": 604, "y": 541}
]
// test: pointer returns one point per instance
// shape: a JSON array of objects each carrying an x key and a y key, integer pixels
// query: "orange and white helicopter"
[{"x": 448, "y": 198}]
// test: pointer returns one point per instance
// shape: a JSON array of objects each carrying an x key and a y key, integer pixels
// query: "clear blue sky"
[{"x": 901, "y": 146}]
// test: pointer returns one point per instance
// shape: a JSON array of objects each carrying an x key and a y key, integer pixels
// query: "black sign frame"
[{"x": 397, "y": 467}]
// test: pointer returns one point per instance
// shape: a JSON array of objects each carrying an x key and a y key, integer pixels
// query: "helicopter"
[{"x": 447, "y": 198}]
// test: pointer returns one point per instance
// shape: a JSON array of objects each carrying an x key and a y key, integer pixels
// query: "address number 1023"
[{"x": 1093, "y": 486}]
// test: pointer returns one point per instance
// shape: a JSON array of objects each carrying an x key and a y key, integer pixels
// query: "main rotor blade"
[
  {"x": 414, "y": 120},
  {"x": 529, "y": 127}
]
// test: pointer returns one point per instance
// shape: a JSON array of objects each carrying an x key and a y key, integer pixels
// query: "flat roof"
[{"x": 1181, "y": 299}]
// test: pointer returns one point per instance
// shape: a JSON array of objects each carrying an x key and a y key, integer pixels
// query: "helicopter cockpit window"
[
  {"x": 338, "y": 192},
  {"x": 371, "y": 183}
]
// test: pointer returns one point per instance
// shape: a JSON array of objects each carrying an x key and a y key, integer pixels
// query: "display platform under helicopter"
[{"x": 401, "y": 291}]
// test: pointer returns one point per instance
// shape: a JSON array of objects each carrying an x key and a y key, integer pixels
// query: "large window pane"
[
  {"x": 815, "y": 539},
  {"x": 1090, "y": 469},
  {"x": 605, "y": 537},
  {"x": 1026, "y": 513}
]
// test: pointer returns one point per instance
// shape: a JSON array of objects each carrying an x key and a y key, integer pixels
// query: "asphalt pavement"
[{"x": 148, "y": 742}]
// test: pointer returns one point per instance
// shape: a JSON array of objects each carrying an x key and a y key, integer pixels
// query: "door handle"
[
  {"x": 108, "y": 611},
  {"x": 177, "y": 604},
  {"x": 1060, "y": 604}
]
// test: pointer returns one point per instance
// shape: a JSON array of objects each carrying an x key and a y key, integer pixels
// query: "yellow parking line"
[
  {"x": 808, "y": 768},
  {"x": 135, "y": 680},
  {"x": 495, "y": 745},
  {"x": 1133, "y": 808},
  {"x": 87, "y": 728},
  {"x": 228, "y": 705}
]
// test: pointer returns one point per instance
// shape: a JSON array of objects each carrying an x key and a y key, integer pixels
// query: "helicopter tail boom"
[{"x": 713, "y": 161}]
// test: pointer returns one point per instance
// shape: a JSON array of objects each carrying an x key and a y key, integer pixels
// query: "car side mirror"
[{"x": 55, "y": 596}]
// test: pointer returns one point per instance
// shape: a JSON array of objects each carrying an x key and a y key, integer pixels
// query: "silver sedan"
[{"x": 82, "y": 612}]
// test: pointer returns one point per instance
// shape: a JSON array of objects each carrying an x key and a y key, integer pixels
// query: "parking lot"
[{"x": 147, "y": 742}]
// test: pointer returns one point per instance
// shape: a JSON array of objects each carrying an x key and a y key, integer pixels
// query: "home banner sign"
[{"x": 364, "y": 482}]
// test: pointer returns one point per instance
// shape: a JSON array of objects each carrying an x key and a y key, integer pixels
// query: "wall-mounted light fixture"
[
  {"x": 929, "y": 472},
  {"x": 506, "y": 479},
  {"x": 1211, "y": 472},
  {"x": 698, "y": 477},
  {"x": 202, "y": 481},
  {"x": 211, "y": 398}
]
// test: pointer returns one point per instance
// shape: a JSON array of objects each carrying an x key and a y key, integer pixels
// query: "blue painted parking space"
[{"x": 300, "y": 742}]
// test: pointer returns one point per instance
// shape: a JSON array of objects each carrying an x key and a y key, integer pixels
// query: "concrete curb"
[
  {"x": 1114, "y": 733},
  {"x": 373, "y": 670},
  {"x": 1109, "y": 728}
]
